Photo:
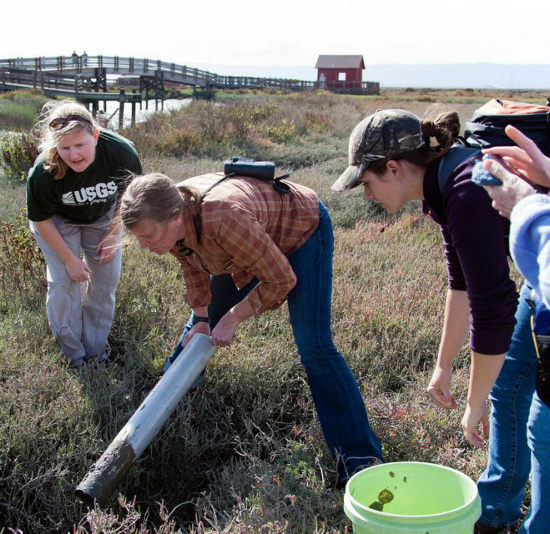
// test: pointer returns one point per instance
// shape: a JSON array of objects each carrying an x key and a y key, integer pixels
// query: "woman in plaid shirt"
[{"x": 246, "y": 248}]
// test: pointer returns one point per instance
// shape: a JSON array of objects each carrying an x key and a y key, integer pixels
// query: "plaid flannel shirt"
[{"x": 247, "y": 231}]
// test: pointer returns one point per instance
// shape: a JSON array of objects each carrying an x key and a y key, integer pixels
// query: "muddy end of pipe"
[{"x": 105, "y": 475}]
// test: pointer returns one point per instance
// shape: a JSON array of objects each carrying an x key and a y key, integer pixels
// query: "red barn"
[{"x": 340, "y": 73}]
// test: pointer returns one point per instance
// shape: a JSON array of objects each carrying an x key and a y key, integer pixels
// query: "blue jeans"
[
  {"x": 333, "y": 387},
  {"x": 520, "y": 438}
]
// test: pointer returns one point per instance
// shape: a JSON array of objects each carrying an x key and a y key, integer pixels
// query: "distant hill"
[{"x": 461, "y": 75}]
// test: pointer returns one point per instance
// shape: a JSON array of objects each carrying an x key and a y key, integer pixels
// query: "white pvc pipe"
[
  {"x": 164, "y": 397},
  {"x": 146, "y": 422}
]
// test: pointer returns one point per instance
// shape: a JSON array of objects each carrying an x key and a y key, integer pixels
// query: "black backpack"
[{"x": 486, "y": 129}]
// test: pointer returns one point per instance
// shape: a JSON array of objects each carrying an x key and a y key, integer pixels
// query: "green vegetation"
[
  {"x": 243, "y": 452},
  {"x": 17, "y": 154},
  {"x": 298, "y": 130},
  {"x": 18, "y": 109},
  {"x": 18, "y": 148}
]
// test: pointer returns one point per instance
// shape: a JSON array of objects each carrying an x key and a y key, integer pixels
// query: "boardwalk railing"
[
  {"x": 76, "y": 83},
  {"x": 171, "y": 72}
]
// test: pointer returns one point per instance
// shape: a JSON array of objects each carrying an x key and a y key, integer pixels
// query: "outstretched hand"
[
  {"x": 512, "y": 190},
  {"x": 439, "y": 388},
  {"x": 526, "y": 159}
]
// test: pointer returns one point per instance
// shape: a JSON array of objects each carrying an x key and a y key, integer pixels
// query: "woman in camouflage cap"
[{"x": 392, "y": 155}]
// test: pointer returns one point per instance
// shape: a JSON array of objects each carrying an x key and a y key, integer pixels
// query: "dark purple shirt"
[{"x": 475, "y": 237}]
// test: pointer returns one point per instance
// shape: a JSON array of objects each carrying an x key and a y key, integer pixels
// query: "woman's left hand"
[
  {"x": 108, "y": 247},
  {"x": 224, "y": 332},
  {"x": 470, "y": 421},
  {"x": 512, "y": 190}
]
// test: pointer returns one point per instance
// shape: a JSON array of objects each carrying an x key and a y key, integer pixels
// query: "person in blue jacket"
[
  {"x": 396, "y": 156},
  {"x": 529, "y": 213}
]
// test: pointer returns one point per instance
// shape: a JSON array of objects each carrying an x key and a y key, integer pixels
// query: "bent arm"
[
  {"x": 53, "y": 239},
  {"x": 251, "y": 249},
  {"x": 223, "y": 333},
  {"x": 76, "y": 268}
]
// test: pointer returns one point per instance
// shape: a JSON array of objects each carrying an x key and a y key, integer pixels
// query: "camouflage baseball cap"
[{"x": 382, "y": 135}]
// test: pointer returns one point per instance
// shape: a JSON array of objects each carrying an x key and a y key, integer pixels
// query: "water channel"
[{"x": 141, "y": 114}]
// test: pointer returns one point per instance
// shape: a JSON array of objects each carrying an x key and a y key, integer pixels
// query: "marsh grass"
[
  {"x": 18, "y": 109},
  {"x": 18, "y": 151},
  {"x": 12, "y": 197},
  {"x": 296, "y": 131},
  {"x": 242, "y": 453},
  {"x": 21, "y": 262}
]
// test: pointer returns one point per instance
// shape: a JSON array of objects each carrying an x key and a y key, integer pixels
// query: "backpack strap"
[
  {"x": 449, "y": 162},
  {"x": 278, "y": 185},
  {"x": 197, "y": 222}
]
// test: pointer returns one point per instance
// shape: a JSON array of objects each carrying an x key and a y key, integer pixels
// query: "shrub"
[
  {"x": 18, "y": 151},
  {"x": 281, "y": 129},
  {"x": 283, "y": 132},
  {"x": 19, "y": 109},
  {"x": 22, "y": 266}
]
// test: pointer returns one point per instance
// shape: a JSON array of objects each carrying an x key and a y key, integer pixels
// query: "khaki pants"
[{"x": 81, "y": 313}]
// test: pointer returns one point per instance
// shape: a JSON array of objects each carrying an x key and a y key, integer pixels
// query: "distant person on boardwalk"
[
  {"x": 245, "y": 248},
  {"x": 75, "y": 58},
  {"x": 73, "y": 193},
  {"x": 84, "y": 59},
  {"x": 391, "y": 156}
]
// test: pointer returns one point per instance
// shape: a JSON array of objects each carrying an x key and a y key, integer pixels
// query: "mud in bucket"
[{"x": 412, "y": 497}]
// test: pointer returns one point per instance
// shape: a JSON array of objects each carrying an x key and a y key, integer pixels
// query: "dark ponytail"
[{"x": 444, "y": 128}]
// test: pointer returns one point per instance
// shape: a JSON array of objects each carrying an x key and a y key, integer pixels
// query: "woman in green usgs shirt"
[{"x": 72, "y": 195}]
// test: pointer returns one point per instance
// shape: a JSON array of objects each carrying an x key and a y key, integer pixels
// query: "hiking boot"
[
  {"x": 75, "y": 363},
  {"x": 341, "y": 483},
  {"x": 96, "y": 359}
]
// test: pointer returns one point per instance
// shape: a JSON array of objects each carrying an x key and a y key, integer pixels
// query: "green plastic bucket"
[{"x": 414, "y": 497}]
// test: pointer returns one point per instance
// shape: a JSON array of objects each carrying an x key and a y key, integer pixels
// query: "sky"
[{"x": 282, "y": 32}]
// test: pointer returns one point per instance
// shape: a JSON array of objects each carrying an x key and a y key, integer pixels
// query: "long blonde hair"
[
  {"x": 50, "y": 139},
  {"x": 157, "y": 198}
]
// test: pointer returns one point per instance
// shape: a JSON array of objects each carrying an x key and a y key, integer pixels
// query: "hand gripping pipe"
[{"x": 105, "y": 475}]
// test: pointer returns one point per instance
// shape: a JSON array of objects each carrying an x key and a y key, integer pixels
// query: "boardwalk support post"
[
  {"x": 121, "y": 100},
  {"x": 133, "y": 108}
]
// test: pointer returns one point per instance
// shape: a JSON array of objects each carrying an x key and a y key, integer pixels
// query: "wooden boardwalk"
[
  {"x": 85, "y": 79},
  {"x": 168, "y": 72},
  {"x": 85, "y": 89}
]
